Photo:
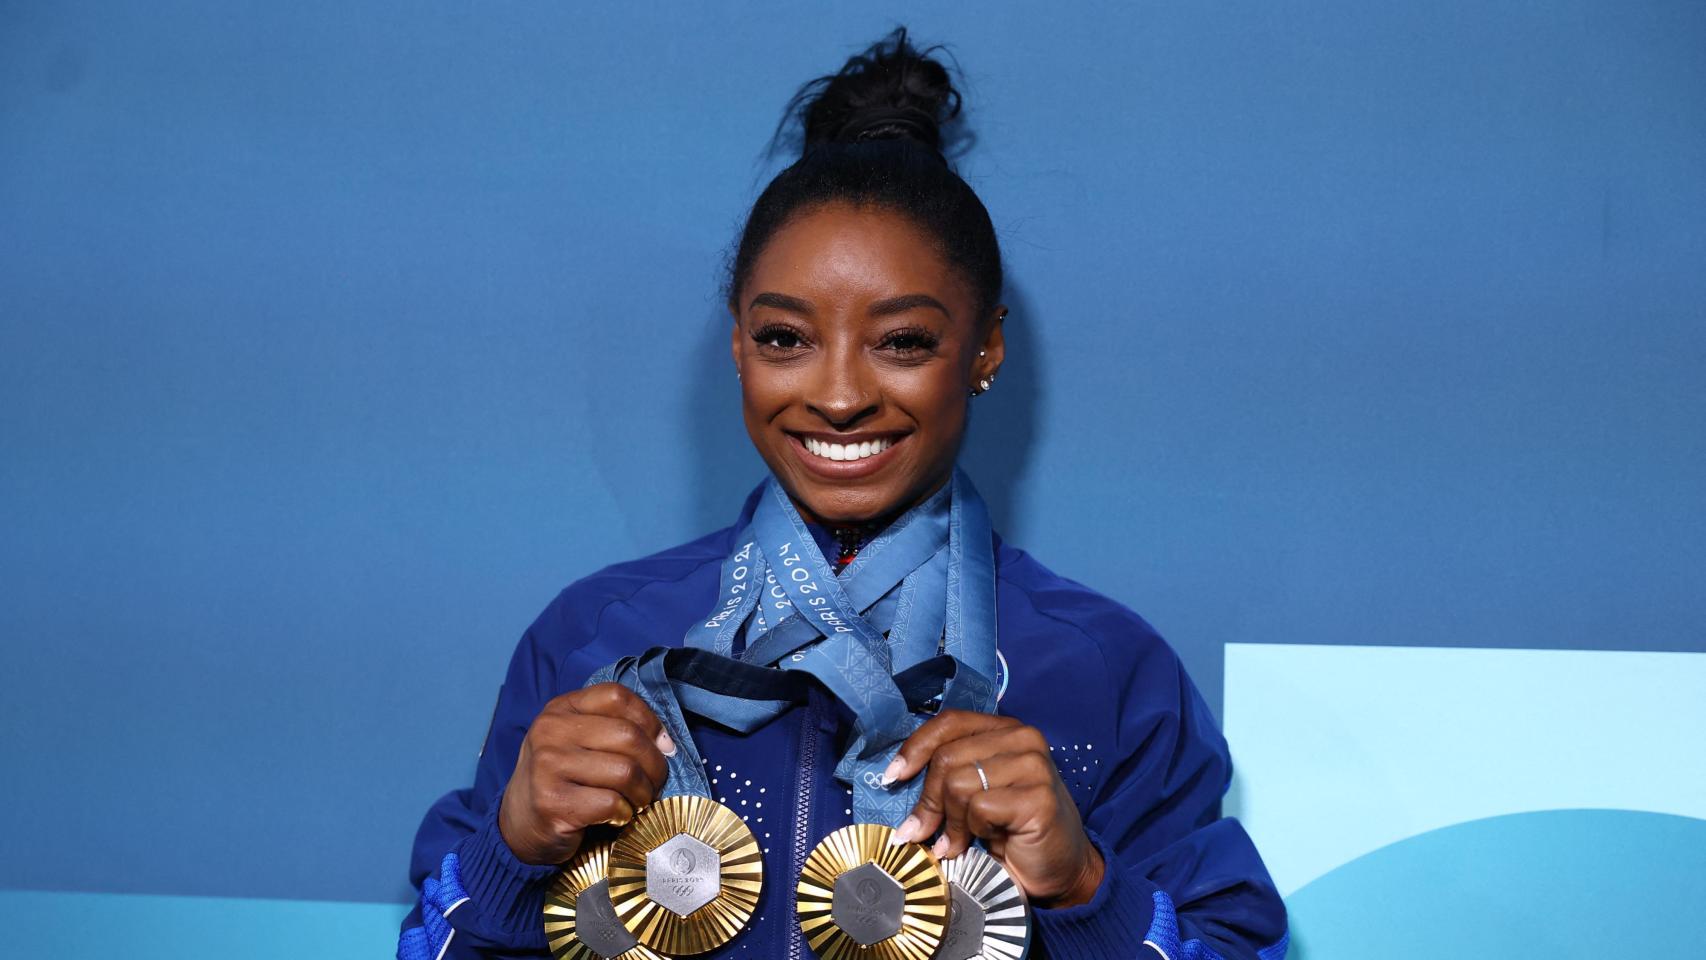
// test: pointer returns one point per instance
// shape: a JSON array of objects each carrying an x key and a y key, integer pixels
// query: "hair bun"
[{"x": 891, "y": 91}]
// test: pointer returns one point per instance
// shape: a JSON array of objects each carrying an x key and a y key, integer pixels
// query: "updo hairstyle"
[{"x": 873, "y": 135}]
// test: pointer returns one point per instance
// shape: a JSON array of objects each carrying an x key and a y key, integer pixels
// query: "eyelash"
[
  {"x": 770, "y": 332},
  {"x": 908, "y": 341},
  {"x": 921, "y": 340}
]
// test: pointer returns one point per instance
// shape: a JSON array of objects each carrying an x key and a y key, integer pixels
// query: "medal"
[
  {"x": 685, "y": 875},
  {"x": 580, "y": 923},
  {"x": 987, "y": 917},
  {"x": 861, "y": 896}
]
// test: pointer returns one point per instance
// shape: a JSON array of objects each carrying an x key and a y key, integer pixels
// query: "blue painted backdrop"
[{"x": 335, "y": 338}]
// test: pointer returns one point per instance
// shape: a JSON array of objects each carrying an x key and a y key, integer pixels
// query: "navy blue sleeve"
[
  {"x": 1180, "y": 881},
  {"x": 477, "y": 899}
]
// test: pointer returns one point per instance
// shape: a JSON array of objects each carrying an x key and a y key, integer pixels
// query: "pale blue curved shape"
[
  {"x": 99, "y": 926},
  {"x": 1343, "y": 750},
  {"x": 1559, "y": 885}
]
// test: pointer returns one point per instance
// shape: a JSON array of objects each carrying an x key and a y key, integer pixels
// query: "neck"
[{"x": 841, "y": 539}]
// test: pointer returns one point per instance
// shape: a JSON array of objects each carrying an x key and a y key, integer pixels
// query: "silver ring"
[{"x": 981, "y": 776}]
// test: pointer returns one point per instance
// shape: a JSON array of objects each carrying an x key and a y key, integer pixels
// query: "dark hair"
[{"x": 873, "y": 134}]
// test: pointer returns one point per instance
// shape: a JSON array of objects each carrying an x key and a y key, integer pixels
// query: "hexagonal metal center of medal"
[
  {"x": 596, "y": 924},
  {"x": 683, "y": 874},
  {"x": 868, "y": 904},
  {"x": 964, "y": 938}
]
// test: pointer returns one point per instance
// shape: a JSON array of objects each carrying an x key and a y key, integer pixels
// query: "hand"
[
  {"x": 1026, "y": 818},
  {"x": 591, "y": 757}
]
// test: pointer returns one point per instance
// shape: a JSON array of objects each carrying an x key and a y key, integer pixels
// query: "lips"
[{"x": 842, "y": 457}]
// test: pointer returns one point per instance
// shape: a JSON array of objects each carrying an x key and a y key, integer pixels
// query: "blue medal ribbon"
[
  {"x": 676, "y": 681},
  {"x": 927, "y": 581}
]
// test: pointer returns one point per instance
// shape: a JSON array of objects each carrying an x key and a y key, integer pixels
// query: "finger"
[
  {"x": 619, "y": 772},
  {"x": 1002, "y": 811},
  {"x": 1005, "y": 813},
  {"x": 1011, "y": 739},
  {"x": 585, "y": 806},
  {"x": 964, "y": 783},
  {"x": 615, "y": 700},
  {"x": 603, "y": 735},
  {"x": 960, "y": 787},
  {"x": 945, "y": 727}
]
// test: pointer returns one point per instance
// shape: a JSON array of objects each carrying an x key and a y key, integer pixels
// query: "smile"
[
  {"x": 843, "y": 459},
  {"x": 846, "y": 451}
]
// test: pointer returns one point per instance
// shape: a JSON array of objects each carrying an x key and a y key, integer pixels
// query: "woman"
[{"x": 864, "y": 297}]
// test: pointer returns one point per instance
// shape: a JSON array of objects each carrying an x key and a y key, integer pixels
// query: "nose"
[{"x": 845, "y": 392}]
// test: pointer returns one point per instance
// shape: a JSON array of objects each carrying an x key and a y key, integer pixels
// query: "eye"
[
  {"x": 778, "y": 338},
  {"x": 911, "y": 342}
]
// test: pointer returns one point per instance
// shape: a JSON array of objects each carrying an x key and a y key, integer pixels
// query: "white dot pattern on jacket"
[{"x": 1080, "y": 769}]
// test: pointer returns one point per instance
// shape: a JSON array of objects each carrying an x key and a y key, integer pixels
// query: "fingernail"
[
  {"x": 666, "y": 746},
  {"x": 904, "y": 832},
  {"x": 892, "y": 772},
  {"x": 940, "y": 847}
]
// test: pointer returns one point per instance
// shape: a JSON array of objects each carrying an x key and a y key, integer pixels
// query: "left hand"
[{"x": 1026, "y": 818}]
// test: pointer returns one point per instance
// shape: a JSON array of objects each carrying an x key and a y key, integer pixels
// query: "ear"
[{"x": 993, "y": 349}]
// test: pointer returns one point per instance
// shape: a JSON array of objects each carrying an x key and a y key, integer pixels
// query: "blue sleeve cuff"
[
  {"x": 506, "y": 898},
  {"x": 1114, "y": 922}
]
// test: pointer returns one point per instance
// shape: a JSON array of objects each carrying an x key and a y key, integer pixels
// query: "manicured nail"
[
  {"x": 666, "y": 746},
  {"x": 896, "y": 767},
  {"x": 904, "y": 832},
  {"x": 940, "y": 847}
]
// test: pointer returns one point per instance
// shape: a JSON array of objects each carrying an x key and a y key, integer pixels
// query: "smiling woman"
[
  {"x": 883, "y": 732},
  {"x": 856, "y": 355}
]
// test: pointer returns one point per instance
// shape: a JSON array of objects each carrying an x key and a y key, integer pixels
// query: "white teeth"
[{"x": 846, "y": 451}]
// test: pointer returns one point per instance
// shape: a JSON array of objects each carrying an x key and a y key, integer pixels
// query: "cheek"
[
  {"x": 937, "y": 403},
  {"x": 764, "y": 391}
]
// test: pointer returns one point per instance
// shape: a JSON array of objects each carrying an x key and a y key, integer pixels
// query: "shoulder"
[
  {"x": 1100, "y": 619},
  {"x": 1091, "y": 673},
  {"x": 1068, "y": 620},
  {"x": 664, "y": 581}
]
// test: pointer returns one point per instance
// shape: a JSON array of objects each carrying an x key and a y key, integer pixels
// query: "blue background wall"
[{"x": 335, "y": 338}]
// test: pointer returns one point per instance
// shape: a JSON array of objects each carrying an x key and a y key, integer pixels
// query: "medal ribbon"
[
  {"x": 928, "y": 581},
  {"x": 675, "y": 681}
]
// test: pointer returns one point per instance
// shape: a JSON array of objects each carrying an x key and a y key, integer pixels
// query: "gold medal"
[
  {"x": 861, "y": 896},
  {"x": 685, "y": 875},
  {"x": 580, "y": 923}
]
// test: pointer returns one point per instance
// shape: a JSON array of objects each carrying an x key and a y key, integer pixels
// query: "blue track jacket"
[{"x": 1135, "y": 744}]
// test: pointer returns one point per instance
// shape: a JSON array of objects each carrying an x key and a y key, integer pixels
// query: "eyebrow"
[
  {"x": 905, "y": 302},
  {"x": 781, "y": 301},
  {"x": 882, "y": 308}
]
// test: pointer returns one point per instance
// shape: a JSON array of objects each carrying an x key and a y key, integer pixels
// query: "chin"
[{"x": 831, "y": 504}]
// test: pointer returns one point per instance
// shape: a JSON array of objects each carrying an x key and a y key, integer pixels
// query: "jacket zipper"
[{"x": 802, "y": 814}]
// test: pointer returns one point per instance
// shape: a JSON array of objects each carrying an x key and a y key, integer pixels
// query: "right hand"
[{"x": 591, "y": 757}]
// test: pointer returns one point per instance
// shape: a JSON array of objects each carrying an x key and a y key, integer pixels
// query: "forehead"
[{"x": 843, "y": 252}]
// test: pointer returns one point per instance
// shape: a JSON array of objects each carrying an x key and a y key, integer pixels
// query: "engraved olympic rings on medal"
[
  {"x": 685, "y": 875},
  {"x": 860, "y": 896}
]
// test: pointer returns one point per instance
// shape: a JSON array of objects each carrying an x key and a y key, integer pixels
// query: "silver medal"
[{"x": 988, "y": 918}]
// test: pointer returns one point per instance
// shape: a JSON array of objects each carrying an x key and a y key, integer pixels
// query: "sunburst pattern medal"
[
  {"x": 580, "y": 923},
  {"x": 989, "y": 919},
  {"x": 685, "y": 875},
  {"x": 862, "y": 897}
]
